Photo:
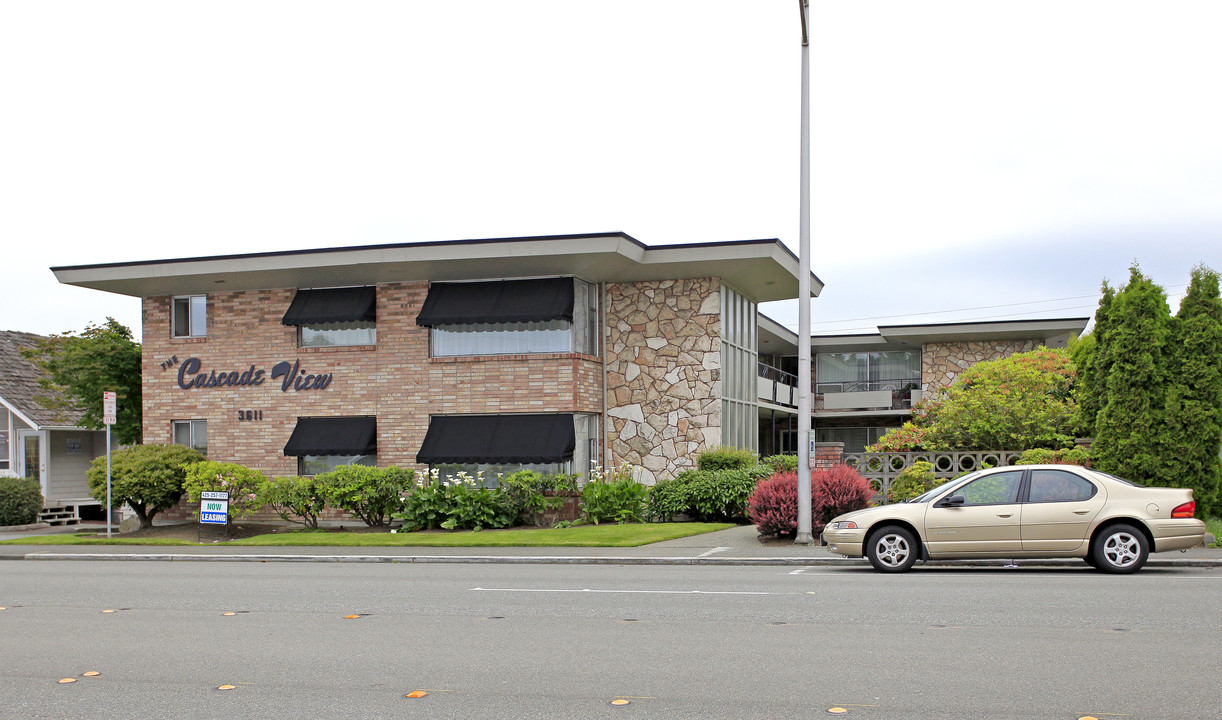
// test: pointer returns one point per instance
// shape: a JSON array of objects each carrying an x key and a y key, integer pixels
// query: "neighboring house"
[
  {"x": 865, "y": 385},
  {"x": 556, "y": 353},
  {"x": 39, "y": 443}
]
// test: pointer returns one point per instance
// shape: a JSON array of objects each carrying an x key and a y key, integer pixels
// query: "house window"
[
  {"x": 4, "y": 451},
  {"x": 322, "y": 444},
  {"x": 190, "y": 316},
  {"x": 492, "y": 444},
  {"x": 868, "y": 371},
  {"x": 333, "y": 317},
  {"x": 510, "y": 317},
  {"x": 192, "y": 433}
]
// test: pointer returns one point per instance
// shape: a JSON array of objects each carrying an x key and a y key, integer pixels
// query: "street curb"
[{"x": 578, "y": 560}]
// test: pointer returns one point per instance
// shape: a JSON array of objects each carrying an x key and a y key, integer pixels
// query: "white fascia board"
[{"x": 14, "y": 410}]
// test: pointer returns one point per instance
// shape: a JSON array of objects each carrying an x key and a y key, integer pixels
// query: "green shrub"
[
  {"x": 726, "y": 458},
  {"x": 368, "y": 493},
  {"x": 616, "y": 497},
  {"x": 149, "y": 478},
  {"x": 20, "y": 501},
  {"x": 532, "y": 492},
  {"x": 672, "y": 496},
  {"x": 1064, "y": 456},
  {"x": 475, "y": 507},
  {"x": 781, "y": 463},
  {"x": 722, "y": 495},
  {"x": 295, "y": 499},
  {"x": 426, "y": 506},
  {"x": 242, "y": 484},
  {"x": 464, "y": 502},
  {"x": 916, "y": 479}
]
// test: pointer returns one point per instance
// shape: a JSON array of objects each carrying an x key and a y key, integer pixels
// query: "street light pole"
[{"x": 804, "y": 536}]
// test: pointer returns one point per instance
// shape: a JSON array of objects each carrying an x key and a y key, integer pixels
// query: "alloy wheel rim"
[
  {"x": 892, "y": 550},
  {"x": 1121, "y": 549}
]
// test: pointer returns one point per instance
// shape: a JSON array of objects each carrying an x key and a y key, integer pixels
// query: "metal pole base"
[{"x": 804, "y": 538}]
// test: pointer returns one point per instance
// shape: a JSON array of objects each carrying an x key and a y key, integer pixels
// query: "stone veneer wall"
[
  {"x": 663, "y": 373},
  {"x": 396, "y": 380},
  {"x": 942, "y": 363}
]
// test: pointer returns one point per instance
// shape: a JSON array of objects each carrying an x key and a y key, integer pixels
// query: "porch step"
[{"x": 59, "y": 515}]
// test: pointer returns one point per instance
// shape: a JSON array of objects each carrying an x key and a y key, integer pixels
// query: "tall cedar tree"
[
  {"x": 1194, "y": 393},
  {"x": 81, "y": 367},
  {"x": 1091, "y": 363},
  {"x": 1131, "y": 360}
]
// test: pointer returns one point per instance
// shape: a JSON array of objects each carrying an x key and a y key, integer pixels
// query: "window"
[
  {"x": 322, "y": 444},
  {"x": 4, "y": 451},
  {"x": 739, "y": 370},
  {"x": 492, "y": 444},
  {"x": 855, "y": 439},
  {"x": 333, "y": 317},
  {"x": 512, "y": 317},
  {"x": 867, "y": 371},
  {"x": 192, "y": 433},
  {"x": 1059, "y": 486},
  {"x": 997, "y": 489},
  {"x": 190, "y": 316}
]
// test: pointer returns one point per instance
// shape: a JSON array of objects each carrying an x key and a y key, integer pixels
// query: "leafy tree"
[
  {"x": 1194, "y": 392},
  {"x": 242, "y": 483},
  {"x": 81, "y": 367},
  {"x": 1131, "y": 362},
  {"x": 1013, "y": 403},
  {"x": 149, "y": 478}
]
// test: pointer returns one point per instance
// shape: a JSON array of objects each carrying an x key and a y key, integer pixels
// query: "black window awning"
[
  {"x": 332, "y": 305},
  {"x": 498, "y": 439},
  {"x": 499, "y": 301},
  {"x": 334, "y": 436}
]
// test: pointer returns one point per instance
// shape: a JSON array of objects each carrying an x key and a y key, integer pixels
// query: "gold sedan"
[{"x": 1029, "y": 511}]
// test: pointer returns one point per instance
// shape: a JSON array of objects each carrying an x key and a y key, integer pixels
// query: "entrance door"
[{"x": 32, "y": 455}]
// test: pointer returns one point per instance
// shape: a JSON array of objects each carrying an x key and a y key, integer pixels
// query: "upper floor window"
[
  {"x": 508, "y": 317},
  {"x": 190, "y": 316},
  {"x": 334, "y": 316},
  {"x": 867, "y": 371}
]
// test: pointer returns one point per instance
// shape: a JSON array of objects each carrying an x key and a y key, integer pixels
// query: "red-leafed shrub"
[
  {"x": 773, "y": 507},
  {"x": 835, "y": 491}
]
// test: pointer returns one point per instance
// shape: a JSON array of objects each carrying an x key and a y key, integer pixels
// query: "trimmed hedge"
[
  {"x": 20, "y": 501},
  {"x": 707, "y": 495}
]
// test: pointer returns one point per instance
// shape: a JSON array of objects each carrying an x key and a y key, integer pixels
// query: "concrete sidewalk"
[{"x": 736, "y": 546}]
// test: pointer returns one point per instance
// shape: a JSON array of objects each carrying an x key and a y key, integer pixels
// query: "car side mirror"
[{"x": 952, "y": 501}]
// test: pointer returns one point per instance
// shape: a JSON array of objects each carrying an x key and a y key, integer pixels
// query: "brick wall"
[{"x": 395, "y": 380}]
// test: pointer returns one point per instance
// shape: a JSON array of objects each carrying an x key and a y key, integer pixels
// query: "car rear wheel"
[
  {"x": 1120, "y": 549},
  {"x": 892, "y": 549}
]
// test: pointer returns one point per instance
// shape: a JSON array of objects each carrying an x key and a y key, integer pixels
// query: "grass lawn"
[
  {"x": 1214, "y": 525},
  {"x": 581, "y": 536}
]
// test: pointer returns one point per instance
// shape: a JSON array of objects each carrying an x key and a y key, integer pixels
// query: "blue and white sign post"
[
  {"x": 214, "y": 508},
  {"x": 110, "y": 408}
]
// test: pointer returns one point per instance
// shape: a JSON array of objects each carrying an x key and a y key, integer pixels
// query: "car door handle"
[
  {"x": 1005, "y": 514},
  {"x": 1080, "y": 512}
]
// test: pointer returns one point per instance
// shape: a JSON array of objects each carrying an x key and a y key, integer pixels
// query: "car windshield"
[{"x": 929, "y": 495}]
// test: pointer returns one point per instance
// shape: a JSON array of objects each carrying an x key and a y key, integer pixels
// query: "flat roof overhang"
[
  {"x": 913, "y": 337},
  {"x": 764, "y": 270}
]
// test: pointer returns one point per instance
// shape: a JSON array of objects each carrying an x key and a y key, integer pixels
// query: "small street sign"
[{"x": 110, "y": 406}]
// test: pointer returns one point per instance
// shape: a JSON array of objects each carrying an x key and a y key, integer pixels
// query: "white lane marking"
[
  {"x": 714, "y": 551},
  {"x": 635, "y": 592},
  {"x": 800, "y": 571}
]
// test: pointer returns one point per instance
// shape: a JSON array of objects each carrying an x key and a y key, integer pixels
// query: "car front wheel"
[
  {"x": 1120, "y": 549},
  {"x": 892, "y": 549}
]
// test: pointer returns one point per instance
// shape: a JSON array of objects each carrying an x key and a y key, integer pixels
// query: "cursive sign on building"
[{"x": 191, "y": 377}]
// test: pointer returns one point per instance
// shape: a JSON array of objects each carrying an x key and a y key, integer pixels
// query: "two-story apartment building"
[
  {"x": 865, "y": 384},
  {"x": 557, "y": 352}
]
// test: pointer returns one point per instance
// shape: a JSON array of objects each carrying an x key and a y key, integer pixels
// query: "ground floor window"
[
  {"x": 322, "y": 444},
  {"x": 504, "y": 444},
  {"x": 319, "y": 464},
  {"x": 192, "y": 433}
]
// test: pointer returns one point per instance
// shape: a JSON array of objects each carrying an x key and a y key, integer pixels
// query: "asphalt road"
[{"x": 565, "y": 641}]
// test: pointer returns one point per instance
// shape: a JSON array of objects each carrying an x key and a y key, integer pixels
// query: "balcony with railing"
[
  {"x": 777, "y": 386},
  {"x": 886, "y": 394}
]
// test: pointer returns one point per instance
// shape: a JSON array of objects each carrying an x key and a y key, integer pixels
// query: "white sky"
[{"x": 965, "y": 154}]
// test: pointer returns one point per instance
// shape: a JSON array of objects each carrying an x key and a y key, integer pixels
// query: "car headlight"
[{"x": 842, "y": 525}]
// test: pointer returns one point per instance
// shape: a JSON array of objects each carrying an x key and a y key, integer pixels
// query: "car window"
[
  {"x": 995, "y": 489},
  {"x": 1058, "y": 486}
]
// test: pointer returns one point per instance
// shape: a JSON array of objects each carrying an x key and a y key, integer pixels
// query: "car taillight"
[{"x": 1186, "y": 510}]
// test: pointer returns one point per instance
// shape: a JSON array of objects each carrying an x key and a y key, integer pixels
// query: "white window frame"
[{"x": 197, "y": 316}]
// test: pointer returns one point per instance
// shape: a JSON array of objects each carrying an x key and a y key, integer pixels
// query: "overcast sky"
[{"x": 969, "y": 159}]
